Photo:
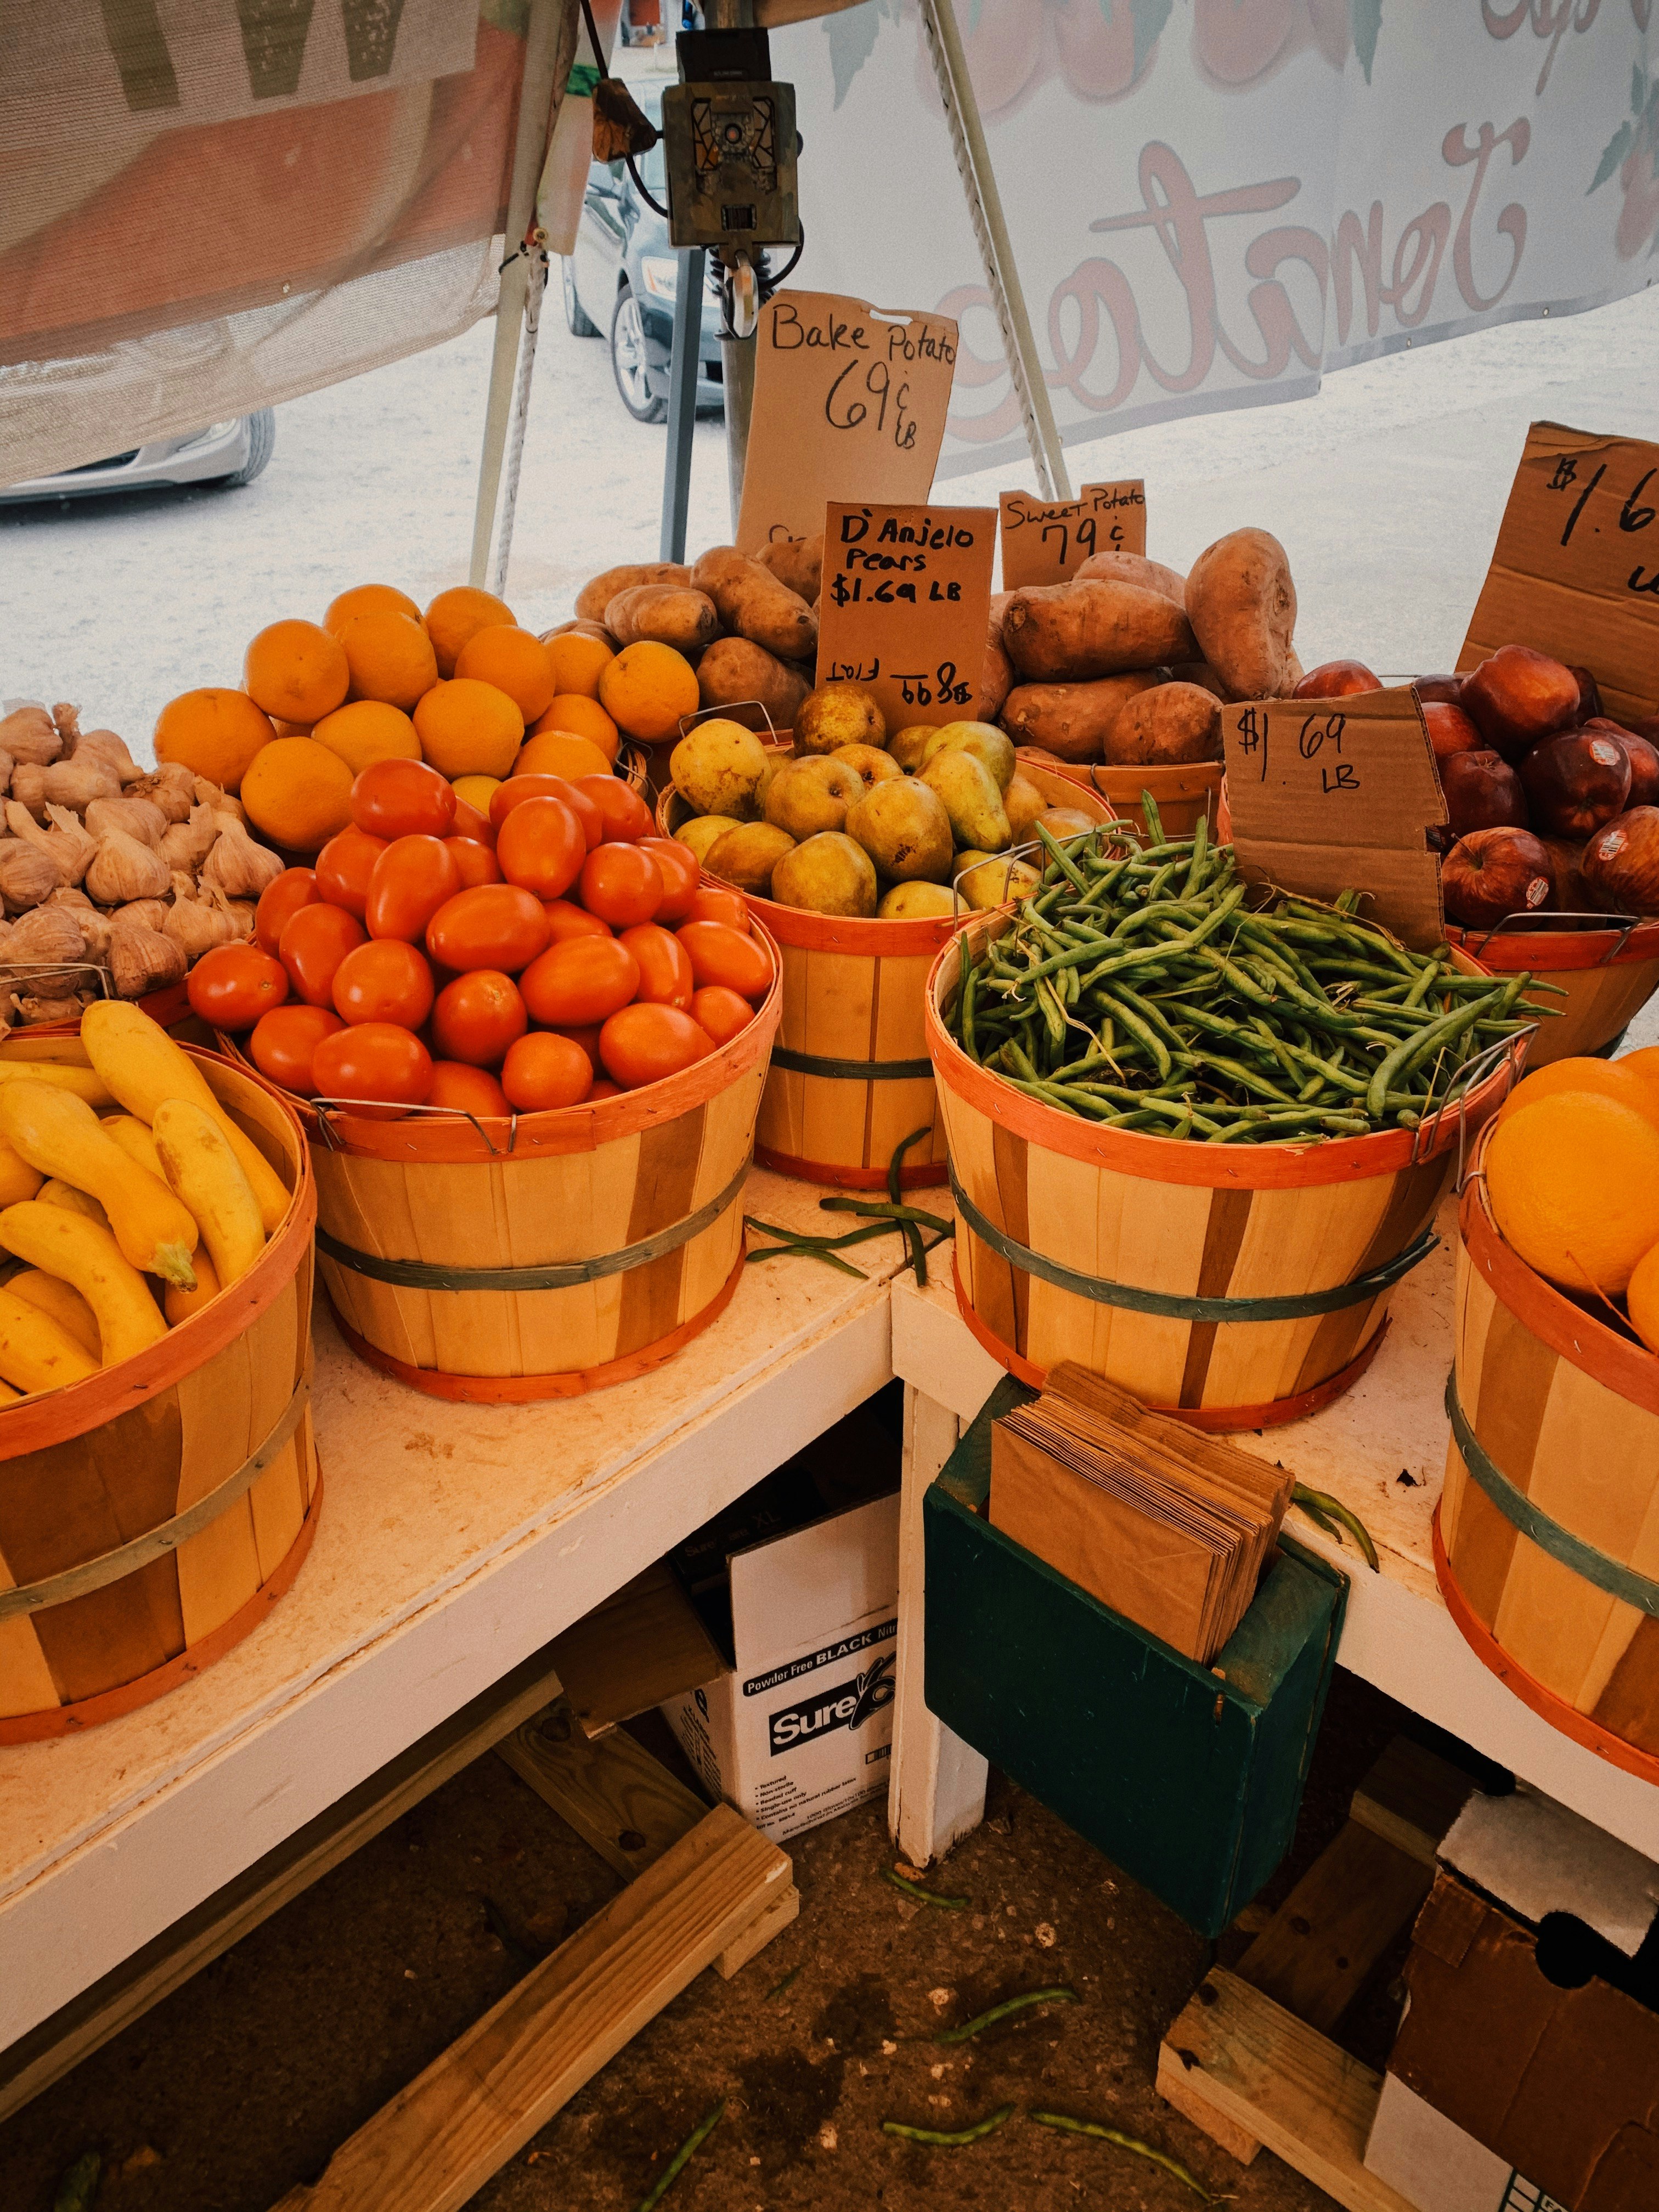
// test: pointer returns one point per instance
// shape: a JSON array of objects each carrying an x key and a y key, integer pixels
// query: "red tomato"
[
  {"x": 603, "y": 1087},
  {"x": 720, "y": 954},
  {"x": 402, "y": 799},
  {"x": 541, "y": 846},
  {"x": 467, "y": 1091},
  {"x": 469, "y": 822},
  {"x": 232, "y": 986},
  {"x": 411, "y": 881},
  {"x": 283, "y": 1041},
  {"x": 517, "y": 789},
  {"x": 376, "y": 1060},
  {"x": 475, "y": 860},
  {"x": 621, "y": 884},
  {"x": 642, "y": 1045},
  {"x": 627, "y": 817},
  {"x": 491, "y": 925},
  {"x": 709, "y": 904},
  {"x": 585, "y": 979},
  {"x": 587, "y": 1035},
  {"x": 285, "y": 894},
  {"x": 720, "y": 1010},
  {"x": 567, "y": 921},
  {"x": 545, "y": 1071},
  {"x": 314, "y": 941},
  {"x": 665, "y": 971},
  {"x": 384, "y": 981},
  {"x": 344, "y": 867},
  {"x": 477, "y": 1016},
  {"x": 677, "y": 867}
]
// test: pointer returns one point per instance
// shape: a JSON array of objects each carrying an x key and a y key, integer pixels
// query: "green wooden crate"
[{"x": 1187, "y": 1777}]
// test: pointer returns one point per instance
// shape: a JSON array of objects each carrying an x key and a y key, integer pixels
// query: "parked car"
[
  {"x": 620, "y": 282},
  {"x": 225, "y": 453}
]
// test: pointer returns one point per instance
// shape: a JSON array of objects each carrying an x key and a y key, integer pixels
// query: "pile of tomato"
[{"x": 555, "y": 953}]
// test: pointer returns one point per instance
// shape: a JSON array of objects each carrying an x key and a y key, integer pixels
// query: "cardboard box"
[
  {"x": 797, "y": 1585},
  {"x": 1435, "y": 2166}
]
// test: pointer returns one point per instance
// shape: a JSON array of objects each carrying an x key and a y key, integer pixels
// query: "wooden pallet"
[{"x": 1250, "y": 2061}]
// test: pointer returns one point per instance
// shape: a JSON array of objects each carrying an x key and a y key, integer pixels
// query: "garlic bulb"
[
  {"x": 31, "y": 1009},
  {"x": 211, "y": 795},
  {"x": 141, "y": 914},
  {"x": 70, "y": 825},
  {"x": 7, "y": 764},
  {"x": 135, "y": 816},
  {"x": 105, "y": 746},
  {"x": 122, "y": 869},
  {"x": 142, "y": 960},
  {"x": 241, "y": 914},
  {"x": 66, "y": 720},
  {"x": 186, "y": 844},
  {"x": 197, "y": 924},
  {"x": 29, "y": 734},
  {"x": 68, "y": 853},
  {"x": 28, "y": 787},
  {"x": 173, "y": 789},
  {"x": 76, "y": 783},
  {"x": 46, "y": 937},
  {"x": 238, "y": 867},
  {"x": 91, "y": 921},
  {"x": 27, "y": 877}
]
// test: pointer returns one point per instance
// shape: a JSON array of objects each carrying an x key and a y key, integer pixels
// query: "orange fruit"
[
  {"x": 556, "y": 752},
  {"x": 290, "y": 729},
  {"x": 477, "y": 791},
  {"x": 295, "y": 670},
  {"x": 367, "y": 599},
  {"x": 1574, "y": 1184},
  {"x": 298, "y": 793},
  {"x": 469, "y": 728},
  {"x": 214, "y": 733},
  {"x": 515, "y": 660},
  {"x": 368, "y": 730},
  {"x": 1643, "y": 1066},
  {"x": 577, "y": 662},
  {"x": 1642, "y": 1298},
  {"x": 453, "y": 617},
  {"x": 579, "y": 716},
  {"x": 646, "y": 688},
  {"x": 390, "y": 658},
  {"x": 1600, "y": 1078}
]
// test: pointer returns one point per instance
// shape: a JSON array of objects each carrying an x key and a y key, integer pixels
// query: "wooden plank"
[
  {"x": 88, "y": 2022},
  {"x": 1189, "y": 2100},
  {"x": 438, "y": 2141},
  {"x": 1249, "y": 2063},
  {"x": 756, "y": 1937},
  {"x": 1411, "y": 1797},
  {"x": 639, "y": 1649},
  {"x": 620, "y": 1801},
  {"x": 1316, "y": 1951}
]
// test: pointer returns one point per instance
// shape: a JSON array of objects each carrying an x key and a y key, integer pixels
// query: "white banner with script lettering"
[{"x": 1212, "y": 202}]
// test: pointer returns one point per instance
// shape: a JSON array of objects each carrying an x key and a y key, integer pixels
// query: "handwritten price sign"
[
  {"x": 1575, "y": 573},
  {"x": 906, "y": 606},
  {"x": 1047, "y": 543}
]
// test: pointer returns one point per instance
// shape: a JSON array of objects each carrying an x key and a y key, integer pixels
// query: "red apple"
[
  {"x": 1621, "y": 863},
  {"x": 1492, "y": 873},
  {"x": 1445, "y": 688},
  {"x": 1589, "y": 696},
  {"x": 1483, "y": 792},
  {"x": 1571, "y": 893},
  {"x": 1519, "y": 696},
  {"x": 1451, "y": 730},
  {"x": 1336, "y": 680},
  {"x": 1575, "y": 782},
  {"x": 1644, "y": 726},
  {"x": 1643, "y": 756}
]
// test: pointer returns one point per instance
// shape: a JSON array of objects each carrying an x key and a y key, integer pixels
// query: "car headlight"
[{"x": 661, "y": 275}]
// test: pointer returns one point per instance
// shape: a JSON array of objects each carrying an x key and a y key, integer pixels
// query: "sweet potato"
[
  {"x": 1175, "y": 723},
  {"x": 997, "y": 676},
  {"x": 1073, "y": 633},
  {"x": 1242, "y": 605},
  {"x": 756, "y": 604},
  {"x": 581, "y": 629},
  {"x": 1135, "y": 568},
  {"x": 669, "y": 614},
  {"x": 1072, "y": 720},
  {"x": 734, "y": 671},
  {"x": 596, "y": 595},
  {"x": 798, "y": 562},
  {"x": 1199, "y": 672}
]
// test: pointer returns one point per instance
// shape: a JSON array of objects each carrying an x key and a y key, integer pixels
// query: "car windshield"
[{"x": 653, "y": 168}]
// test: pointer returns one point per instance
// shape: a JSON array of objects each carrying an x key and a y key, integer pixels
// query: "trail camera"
[{"x": 729, "y": 139}]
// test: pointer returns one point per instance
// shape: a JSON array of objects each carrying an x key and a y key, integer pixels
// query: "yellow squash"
[
  {"x": 59, "y": 1135},
  {"x": 78, "y": 1252},
  {"x": 206, "y": 1177},
  {"x": 18, "y": 1179},
  {"x": 84, "y": 1082},
  {"x": 142, "y": 1066},
  {"x": 135, "y": 1141},
  {"x": 58, "y": 1193},
  {"x": 63, "y": 1302},
  {"x": 182, "y": 1305},
  {"x": 35, "y": 1353}
]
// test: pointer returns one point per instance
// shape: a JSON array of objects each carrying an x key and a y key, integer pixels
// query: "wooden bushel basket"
[
  {"x": 1546, "y": 1536},
  {"x": 1180, "y": 794},
  {"x": 503, "y": 1261},
  {"x": 1608, "y": 976},
  {"x": 151, "y": 1516},
  {"x": 1131, "y": 1253},
  {"x": 850, "y": 1075}
]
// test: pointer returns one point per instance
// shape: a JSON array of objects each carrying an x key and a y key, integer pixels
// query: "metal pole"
[
  {"x": 737, "y": 355},
  {"x": 529, "y": 151},
  {"x": 1001, "y": 271},
  {"x": 687, "y": 365}
]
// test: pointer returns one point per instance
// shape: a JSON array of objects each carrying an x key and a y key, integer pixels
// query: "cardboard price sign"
[
  {"x": 1047, "y": 543},
  {"x": 850, "y": 402},
  {"x": 906, "y": 606},
  {"x": 1575, "y": 573},
  {"x": 1333, "y": 795}
]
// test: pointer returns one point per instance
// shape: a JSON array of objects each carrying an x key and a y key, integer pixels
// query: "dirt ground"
[{"x": 243, "y": 2081}]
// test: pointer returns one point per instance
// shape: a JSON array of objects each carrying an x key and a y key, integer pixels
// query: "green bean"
[
  {"x": 942, "y": 2139},
  {"x": 1414, "y": 1048}
]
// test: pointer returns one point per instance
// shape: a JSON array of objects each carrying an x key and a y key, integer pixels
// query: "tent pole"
[
  {"x": 529, "y": 151},
  {"x": 1001, "y": 271},
  {"x": 687, "y": 365}
]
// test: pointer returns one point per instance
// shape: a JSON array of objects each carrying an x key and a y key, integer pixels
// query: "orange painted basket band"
[
  {"x": 1221, "y": 1419},
  {"x": 821, "y": 1171},
  {"x": 1544, "y": 951},
  {"x": 1566, "y": 1718},
  {"x": 526, "y": 1389},
  {"x": 110, "y": 1705}
]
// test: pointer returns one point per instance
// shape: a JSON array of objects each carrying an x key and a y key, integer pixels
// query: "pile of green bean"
[{"x": 1147, "y": 986}]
